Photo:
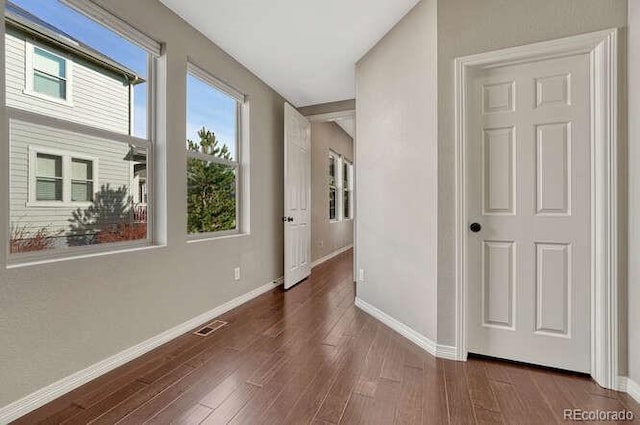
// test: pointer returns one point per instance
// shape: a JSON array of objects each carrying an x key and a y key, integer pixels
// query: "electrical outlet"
[
  {"x": 321, "y": 243},
  {"x": 361, "y": 275},
  {"x": 236, "y": 273}
]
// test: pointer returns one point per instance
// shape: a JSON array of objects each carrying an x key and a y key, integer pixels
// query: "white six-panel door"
[
  {"x": 297, "y": 197},
  {"x": 528, "y": 188}
]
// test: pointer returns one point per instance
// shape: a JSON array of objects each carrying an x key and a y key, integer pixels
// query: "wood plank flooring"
[{"x": 308, "y": 356}]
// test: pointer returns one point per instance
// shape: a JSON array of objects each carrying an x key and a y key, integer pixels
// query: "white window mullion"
[
  {"x": 212, "y": 158},
  {"x": 66, "y": 179}
]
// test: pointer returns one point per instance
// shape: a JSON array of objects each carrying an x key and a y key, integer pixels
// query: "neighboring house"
[{"x": 55, "y": 172}]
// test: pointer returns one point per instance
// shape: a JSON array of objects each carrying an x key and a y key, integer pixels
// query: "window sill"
[
  {"x": 57, "y": 204},
  {"x": 66, "y": 102},
  {"x": 16, "y": 261},
  {"x": 208, "y": 237}
]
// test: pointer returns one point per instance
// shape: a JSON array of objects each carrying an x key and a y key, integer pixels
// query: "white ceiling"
[{"x": 305, "y": 49}]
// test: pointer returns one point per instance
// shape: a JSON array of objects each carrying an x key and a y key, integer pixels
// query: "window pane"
[
  {"x": 346, "y": 203},
  {"x": 48, "y": 189},
  {"x": 211, "y": 196},
  {"x": 81, "y": 191},
  {"x": 81, "y": 169},
  {"x": 49, "y": 165},
  {"x": 106, "y": 74},
  {"x": 211, "y": 120},
  {"x": 332, "y": 171},
  {"x": 49, "y": 63},
  {"x": 49, "y": 86},
  {"x": 332, "y": 203},
  {"x": 112, "y": 213}
]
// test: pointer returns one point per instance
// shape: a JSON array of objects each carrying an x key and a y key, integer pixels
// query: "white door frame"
[{"x": 602, "y": 47}]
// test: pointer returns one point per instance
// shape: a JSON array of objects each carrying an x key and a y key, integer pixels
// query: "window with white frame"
[
  {"x": 47, "y": 73},
  {"x": 214, "y": 123},
  {"x": 347, "y": 189},
  {"x": 77, "y": 169},
  {"x": 340, "y": 188},
  {"x": 333, "y": 186},
  {"x": 59, "y": 177},
  {"x": 48, "y": 177}
]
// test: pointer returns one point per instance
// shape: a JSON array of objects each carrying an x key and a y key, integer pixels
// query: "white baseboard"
[
  {"x": 632, "y": 388},
  {"x": 442, "y": 351},
  {"x": 330, "y": 256},
  {"x": 49, "y": 393}
]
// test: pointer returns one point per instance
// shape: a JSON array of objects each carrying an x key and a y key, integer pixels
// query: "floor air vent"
[{"x": 211, "y": 328}]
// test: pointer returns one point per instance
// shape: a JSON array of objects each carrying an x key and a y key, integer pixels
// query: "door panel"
[
  {"x": 297, "y": 182},
  {"x": 498, "y": 284},
  {"x": 528, "y": 171},
  {"x": 499, "y": 170}
]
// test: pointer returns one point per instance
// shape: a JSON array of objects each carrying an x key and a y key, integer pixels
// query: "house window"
[
  {"x": 77, "y": 169},
  {"x": 347, "y": 189},
  {"x": 81, "y": 180},
  {"x": 333, "y": 186},
  {"x": 214, "y": 118},
  {"x": 340, "y": 188},
  {"x": 49, "y": 73},
  {"x": 60, "y": 178},
  {"x": 48, "y": 177}
]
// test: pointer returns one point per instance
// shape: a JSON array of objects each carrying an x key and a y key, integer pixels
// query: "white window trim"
[
  {"x": 114, "y": 23},
  {"x": 238, "y": 163},
  {"x": 66, "y": 156},
  {"x": 29, "y": 74},
  {"x": 154, "y": 50}
]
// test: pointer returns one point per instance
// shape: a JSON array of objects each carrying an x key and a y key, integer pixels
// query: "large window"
[
  {"x": 214, "y": 116},
  {"x": 78, "y": 95}
]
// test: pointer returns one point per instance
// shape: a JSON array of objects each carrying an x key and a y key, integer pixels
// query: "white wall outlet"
[
  {"x": 321, "y": 243},
  {"x": 361, "y": 275},
  {"x": 236, "y": 273}
]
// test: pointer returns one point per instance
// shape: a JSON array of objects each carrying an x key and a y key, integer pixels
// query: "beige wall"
[
  {"x": 397, "y": 171},
  {"x": 327, "y": 237},
  {"x": 58, "y": 318},
  {"x": 633, "y": 304}
]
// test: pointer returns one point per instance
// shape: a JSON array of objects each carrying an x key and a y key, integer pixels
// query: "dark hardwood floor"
[{"x": 308, "y": 356}]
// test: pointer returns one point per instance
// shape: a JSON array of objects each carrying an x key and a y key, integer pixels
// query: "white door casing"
[
  {"x": 528, "y": 186},
  {"x": 600, "y": 49},
  {"x": 297, "y": 197}
]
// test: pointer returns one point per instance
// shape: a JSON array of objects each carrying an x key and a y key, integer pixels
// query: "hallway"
[{"x": 309, "y": 356}]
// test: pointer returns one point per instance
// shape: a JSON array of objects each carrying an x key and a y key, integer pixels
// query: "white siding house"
[{"x": 53, "y": 171}]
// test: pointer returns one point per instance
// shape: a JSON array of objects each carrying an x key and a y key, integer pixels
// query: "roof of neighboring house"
[{"x": 21, "y": 19}]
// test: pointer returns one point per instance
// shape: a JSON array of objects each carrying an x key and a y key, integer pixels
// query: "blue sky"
[
  {"x": 211, "y": 108},
  {"x": 205, "y": 105}
]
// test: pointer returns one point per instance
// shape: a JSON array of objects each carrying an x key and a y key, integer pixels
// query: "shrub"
[
  {"x": 123, "y": 232},
  {"x": 24, "y": 241}
]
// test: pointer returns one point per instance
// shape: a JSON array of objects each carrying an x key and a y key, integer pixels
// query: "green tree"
[{"x": 211, "y": 187}]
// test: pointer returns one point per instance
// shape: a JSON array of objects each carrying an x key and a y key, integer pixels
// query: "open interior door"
[{"x": 297, "y": 197}]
